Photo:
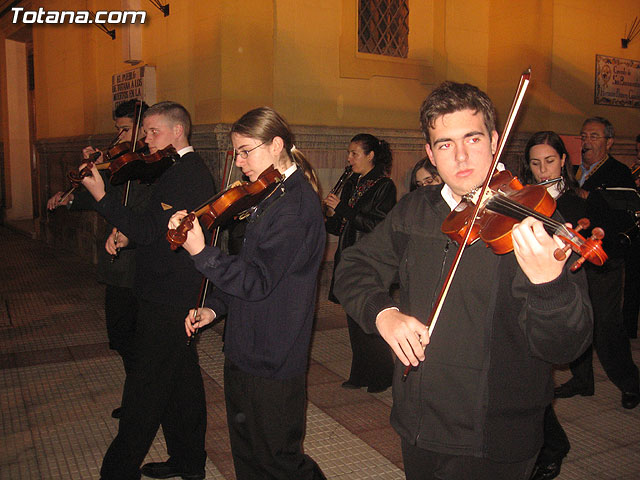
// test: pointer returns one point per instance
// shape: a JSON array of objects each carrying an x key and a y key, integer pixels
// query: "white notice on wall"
[{"x": 139, "y": 82}]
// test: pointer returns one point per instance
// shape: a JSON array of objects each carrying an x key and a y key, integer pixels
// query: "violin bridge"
[{"x": 473, "y": 195}]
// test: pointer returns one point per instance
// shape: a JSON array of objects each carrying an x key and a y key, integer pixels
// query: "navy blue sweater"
[{"x": 269, "y": 289}]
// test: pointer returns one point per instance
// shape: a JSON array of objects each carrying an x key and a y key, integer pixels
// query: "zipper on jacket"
[
  {"x": 433, "y": 297},
  {"x": 442, "y": 265}
]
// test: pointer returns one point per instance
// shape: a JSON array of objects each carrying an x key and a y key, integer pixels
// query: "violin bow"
[
  {"x": 206, "y": 283},
  {"x": 517, "y": 101},
  {"x": 127, "y": 187}
]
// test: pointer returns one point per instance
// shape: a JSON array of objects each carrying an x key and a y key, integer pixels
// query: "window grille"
[{"x": 383, "y": 27}]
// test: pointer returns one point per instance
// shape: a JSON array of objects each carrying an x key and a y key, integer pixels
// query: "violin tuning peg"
[
  {"x": 577, "y": 264},
  {"x": 583, "y": 224},
  {"x": 560, "y": 254},
  {"x": 597, "y": 233}
]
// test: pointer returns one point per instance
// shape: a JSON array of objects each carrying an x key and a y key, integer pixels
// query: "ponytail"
[{"x": 308, "y": 170}]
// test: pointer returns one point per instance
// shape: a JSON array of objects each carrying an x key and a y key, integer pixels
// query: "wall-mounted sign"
[
  {"x": 617, "y": 82},
  {"x": 137, "y": 83}
]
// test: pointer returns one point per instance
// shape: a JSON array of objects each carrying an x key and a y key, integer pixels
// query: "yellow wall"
[
  {"x": 17, "y": 147},
  {"x": 221, "y": 57},
  {"x": 559, "y": 39},
  {"x": 315, "y": 73},
  {"x": 580, "y": 31}
]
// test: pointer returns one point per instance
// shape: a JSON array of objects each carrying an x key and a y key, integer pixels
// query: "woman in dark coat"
[
  {"x": 366, "y": 198},
  {"x": 546, "y": 161}
]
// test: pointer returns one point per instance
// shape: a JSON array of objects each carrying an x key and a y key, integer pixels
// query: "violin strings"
[{"x": 506, "y": 206}]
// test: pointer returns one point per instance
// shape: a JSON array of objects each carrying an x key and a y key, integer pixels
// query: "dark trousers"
[
  {"x": 610, "y": 338},
  {"x": 372, "y": 361},
  {"x": 556, "y": 444},
  {"x": 420, "y": 464},
  {"x": 266, "y": 419},
  {"x": 164, "y": 388},
  {"x": 121, "y": 311},
  {"x": 631, "y": 305}
]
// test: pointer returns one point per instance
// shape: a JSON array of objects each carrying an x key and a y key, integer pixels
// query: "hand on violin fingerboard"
[
  {"x": 94, "y": 183},
  {"x": 195, "y": 242},
  {"x": 534, "y": 250},
  {"x": 89, "y": 153}
]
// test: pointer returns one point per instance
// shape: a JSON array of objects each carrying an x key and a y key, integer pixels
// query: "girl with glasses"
[{"x": 267, "y": 293}]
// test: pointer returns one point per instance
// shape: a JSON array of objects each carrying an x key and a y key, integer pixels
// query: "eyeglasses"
[
  {"x": 245, "y": 153},
  {"x": 594, "y": 137},
  {"x": 426, "y": 181}
]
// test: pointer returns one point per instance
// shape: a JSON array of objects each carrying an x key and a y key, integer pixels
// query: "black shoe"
[
  {"x": 571, "y": 389},
  {"x": 350, "y": 386},
  {"x": 167, "y": 470},
  {"x": 373, "y": 389},
  {"x": 630, "y": 400},
  {"x": 117, "y": 412},
  {"x": 546, "y": 472}
]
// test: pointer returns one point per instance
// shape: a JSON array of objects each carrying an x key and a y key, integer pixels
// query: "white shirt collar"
[
  {"x": 447, "y": 193},
  {"x": 290, "y": 170},
  {"x": 183, "y": 151}
]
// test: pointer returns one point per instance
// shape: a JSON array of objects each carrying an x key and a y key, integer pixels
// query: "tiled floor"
[{"x": 59, "y": 383}]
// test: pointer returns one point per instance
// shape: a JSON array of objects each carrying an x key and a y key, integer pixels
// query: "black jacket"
[
  {"x": 121, "y": 272},
  {"x": 603, "y": 209},
  {"x": 486, "y": 380},
  {"x": 368, "y": 211},
  {"x": 163, "y": 275}
]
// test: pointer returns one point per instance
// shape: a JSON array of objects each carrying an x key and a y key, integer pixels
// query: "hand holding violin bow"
[
  {"x": 198, "y": 318},
  {"x": 115, "y": 241}
]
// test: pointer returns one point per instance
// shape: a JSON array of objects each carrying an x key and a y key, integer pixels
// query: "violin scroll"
[
  {"x": 561, "y": 253},
  {"x": 177, "y": 236},
  {"x": 589, "y": 249}
]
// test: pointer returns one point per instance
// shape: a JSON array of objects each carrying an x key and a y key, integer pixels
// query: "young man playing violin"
[
  {"x": 472, "y": 407},
  {"x": 120, "y": 304},
  {"x": 165, "y": 386}
]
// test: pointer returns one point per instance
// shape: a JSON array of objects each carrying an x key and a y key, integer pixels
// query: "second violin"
[{"x": 227, "y": 205}]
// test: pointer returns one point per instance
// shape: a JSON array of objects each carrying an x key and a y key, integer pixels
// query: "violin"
[
  {"x": 228, "y": 204},
  {"x": 145, "y": 168},
  {"x": 131, "y": 166},
  {"x": 125, "y": 147},
  {"x": 507, "y": 202},
  {"x": 76, "y": 177}
]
